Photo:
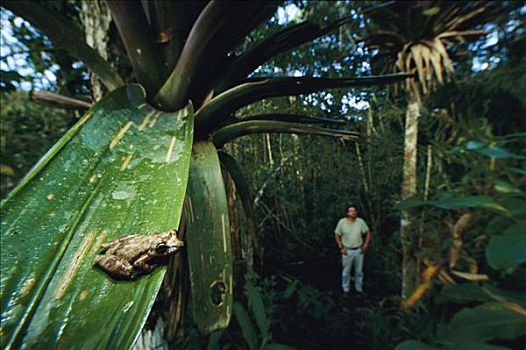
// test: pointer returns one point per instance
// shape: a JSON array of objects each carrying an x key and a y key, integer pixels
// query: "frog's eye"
[{"x": 161, "y": 248}]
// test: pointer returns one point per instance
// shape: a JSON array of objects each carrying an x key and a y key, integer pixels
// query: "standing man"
[{"x": 349, "y": 237}]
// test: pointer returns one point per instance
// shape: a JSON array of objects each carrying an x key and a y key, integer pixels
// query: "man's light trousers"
[{"x": 353, "y": 257}]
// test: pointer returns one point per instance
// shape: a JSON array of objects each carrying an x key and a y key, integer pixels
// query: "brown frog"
[{"x": 134, "y": 255}]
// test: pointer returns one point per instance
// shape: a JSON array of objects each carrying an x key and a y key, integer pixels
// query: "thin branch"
[{"x": 56, "y": 100}]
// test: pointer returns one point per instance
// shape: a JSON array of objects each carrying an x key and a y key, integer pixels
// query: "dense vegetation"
[{"x": 468, "y": 211}]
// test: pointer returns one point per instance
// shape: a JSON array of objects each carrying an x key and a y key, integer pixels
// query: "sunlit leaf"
[
  {"x": 497, "y": 152},
  {"x": 121, "y": 169},
  {"x": 431, "y": 11},
  {"x": 474, "y": 145},
  {"x": 505, "y": 187}
]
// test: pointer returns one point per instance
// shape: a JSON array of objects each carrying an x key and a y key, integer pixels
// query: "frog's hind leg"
[{"x": 115, "y": 267}]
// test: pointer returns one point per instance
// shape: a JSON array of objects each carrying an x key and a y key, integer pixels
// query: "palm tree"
[
  {"x": 129, "y": 163},
  {"x": 413, "y": 36}
]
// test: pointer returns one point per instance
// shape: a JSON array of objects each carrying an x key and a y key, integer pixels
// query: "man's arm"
[
  {"x": 365, "y": 246},
  {"x": 338, "y": 240}
]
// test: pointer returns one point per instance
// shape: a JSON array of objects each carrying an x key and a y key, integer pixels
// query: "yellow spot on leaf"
[
  {"x": 170, "y": 150},
  {"x": 145, "y": 120},
  {"x": 83, "y": 294},
  {"x": 120, "y": 134},
  {"x": 93, "y": 179},
  {"x": 26, "y": 287},
  {"x": 98, "y": 242},
  {"x": 223, "y": 228},
  {"x": 126, "y": 161},
  {"x": 50, "y": 196},
  {"x": 152, "y": 123},
  {"x": 68, "y": 275}
]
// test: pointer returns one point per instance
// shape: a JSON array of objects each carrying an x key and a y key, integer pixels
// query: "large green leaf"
[
  {"x": 493, "y": 320},
  {"x": 208, "y": 240},
  {"x": 469, "y": 292},
  {"x": 123, "y": 168},
  {"x": 506, "y": 252}
]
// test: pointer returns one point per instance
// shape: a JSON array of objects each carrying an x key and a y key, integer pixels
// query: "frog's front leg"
[
  {"x": 142, "y": 264},
  {"x": 115, "y": 267}
]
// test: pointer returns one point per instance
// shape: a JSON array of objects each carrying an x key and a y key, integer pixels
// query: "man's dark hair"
[{"x": 351, "y": 206}]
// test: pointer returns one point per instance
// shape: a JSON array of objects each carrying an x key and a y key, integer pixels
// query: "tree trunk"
[
  {"x": 407, "y": 225},
  {"x": 96, "y": 19}
]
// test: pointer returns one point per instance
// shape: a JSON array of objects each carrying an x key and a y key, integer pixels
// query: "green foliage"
[
  {"x": 507, "y": 252},
  {"x": 489, "y": 321},
  {"x": 34, "y": 55},
  {"x": 252, "y": 336},
  {"x": 28, "y": 130},
  {"x": 502, "y": 315}
]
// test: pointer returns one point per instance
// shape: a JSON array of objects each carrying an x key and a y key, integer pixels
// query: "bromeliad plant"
[{"x": 129, "y": 163}]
